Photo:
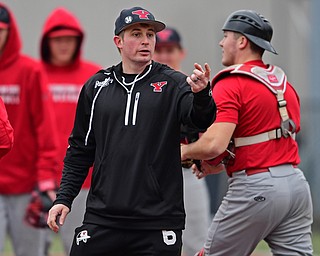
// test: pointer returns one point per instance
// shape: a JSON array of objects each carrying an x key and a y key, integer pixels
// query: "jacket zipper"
[
  {"x": 126, "y": 117},
  {"x": 135, "y": 108},
  {"x": 129, "y": 95}
]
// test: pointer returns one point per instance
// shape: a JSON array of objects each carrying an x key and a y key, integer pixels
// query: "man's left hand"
[{"x": 199, "y": 79}]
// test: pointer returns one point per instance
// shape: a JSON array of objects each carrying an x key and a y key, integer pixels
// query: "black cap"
[
  {"x": 253, "y": 25},
  {"x": 134, "y": 15},
  {"x": 168, "y": 36},
  {"x": 4, "y": 18}
]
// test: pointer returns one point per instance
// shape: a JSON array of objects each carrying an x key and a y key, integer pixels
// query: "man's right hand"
[{"x": 57, "y": 213}]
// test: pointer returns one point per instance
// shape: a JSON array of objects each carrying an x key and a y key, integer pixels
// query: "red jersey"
[
  {"x": 65, "y": 82},
  {"x": 24, "y": 90},
  {"x": 249, "y": 104}
]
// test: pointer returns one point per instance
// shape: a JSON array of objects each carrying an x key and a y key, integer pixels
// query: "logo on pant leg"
[
  {"x": 82, "y": 236},
  {"x": 259, "y": 198},
  {"x": 169, "y": 237}
]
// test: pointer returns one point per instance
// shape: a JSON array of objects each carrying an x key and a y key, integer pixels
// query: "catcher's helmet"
[{"x": 253, "y": 25}]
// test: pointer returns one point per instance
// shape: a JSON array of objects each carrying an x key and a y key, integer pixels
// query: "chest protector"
[{"x": 275, "y": 80}]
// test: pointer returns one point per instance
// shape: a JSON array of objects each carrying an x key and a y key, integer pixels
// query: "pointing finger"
[{"x": 207, "y": 70}]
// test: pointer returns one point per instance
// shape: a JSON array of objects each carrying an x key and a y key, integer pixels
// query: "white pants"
[
  {"x": 274, "y": 206},
  {"x": 26, "y": 240},
  {"x": 197, "y": 206}
]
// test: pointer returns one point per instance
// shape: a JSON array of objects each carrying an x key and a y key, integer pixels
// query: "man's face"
[
  {"x": 62, "y": 49},
  {"x": 3, "y": 38},
  {"x": 171, "y": 55},
  {"x": 136, "y": 43},
  {"x": 229, "y": 48}
]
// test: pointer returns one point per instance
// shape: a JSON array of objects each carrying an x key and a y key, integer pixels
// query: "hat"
[
  {"x": 168, "y": 36},
  {"x": 64, "y": 32},
  {"x": 134, "y": 15},
  {"x": 4, "y": 18}
]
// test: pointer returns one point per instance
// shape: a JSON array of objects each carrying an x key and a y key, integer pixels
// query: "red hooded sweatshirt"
[
  {"x": 23, "y": 88},
  {"x": 65, "y": 82},
  {"x": 6, "y": 131}
]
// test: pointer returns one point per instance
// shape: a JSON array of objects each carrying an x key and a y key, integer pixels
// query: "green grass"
[
  {"x": 263, "y": 247},
  {"x": 56, "y": 247}
]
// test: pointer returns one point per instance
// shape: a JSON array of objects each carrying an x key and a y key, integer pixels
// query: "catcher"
[{"x": 268, "y": 196}]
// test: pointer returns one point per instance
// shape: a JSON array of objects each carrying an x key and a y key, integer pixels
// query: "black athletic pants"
[{"x": 93, "y": 240}]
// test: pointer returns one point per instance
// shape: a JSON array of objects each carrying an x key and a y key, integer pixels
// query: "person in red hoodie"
[
  {"x": 6, "y": 130},
  {"x": 31, "y": 162},
  {"x": 61, "y": 44}
]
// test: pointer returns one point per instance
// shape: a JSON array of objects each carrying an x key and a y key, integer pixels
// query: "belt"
[
  {"x": 256, "y": 171},
  {"x": 253, "y": 171}
]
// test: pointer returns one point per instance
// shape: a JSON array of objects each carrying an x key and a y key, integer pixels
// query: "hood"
[
  {"x": 60, "y": 18},
  {"x": 13, "y": 45}
]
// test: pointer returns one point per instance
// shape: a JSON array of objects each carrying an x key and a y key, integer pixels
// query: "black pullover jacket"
[{"x": 131, "y": 132}]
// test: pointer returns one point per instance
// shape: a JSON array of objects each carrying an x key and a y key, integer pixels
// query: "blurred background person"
[
  {"x": 6, "y": 130},
  {"x": 31, "y": 162},
  {"x": 169, "y": 48},
  {"x": 169, "y": 51},
  {"x": 61, "y": 45}
]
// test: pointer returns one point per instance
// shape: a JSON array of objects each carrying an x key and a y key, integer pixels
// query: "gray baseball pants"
[
  {"x": 274, "y": 206},
  {"x": 26, "y": 240}
]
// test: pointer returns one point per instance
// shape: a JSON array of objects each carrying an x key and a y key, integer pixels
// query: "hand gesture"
[{"x": 199, "y": 79}]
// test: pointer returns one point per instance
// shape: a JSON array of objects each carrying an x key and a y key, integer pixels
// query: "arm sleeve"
[
  {"x": 198, "y": 109},
  {"x": 6, "y": 131},
  {"x": 204, "y": 108}
]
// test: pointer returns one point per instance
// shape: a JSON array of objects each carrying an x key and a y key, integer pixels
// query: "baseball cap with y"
[
  {"x": 134, "y": 15},
  {"x": 4, "y": 18},
  {"x": 168, "y": 37}
]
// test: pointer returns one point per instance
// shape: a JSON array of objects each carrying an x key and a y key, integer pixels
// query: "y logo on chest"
[{"x": 157, "y": 87}]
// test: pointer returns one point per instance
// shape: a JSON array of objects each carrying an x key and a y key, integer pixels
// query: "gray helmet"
[{"x": 253, "y": 25}]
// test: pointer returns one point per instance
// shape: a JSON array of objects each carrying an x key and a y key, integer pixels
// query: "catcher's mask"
[{"x": 252, "y": 25}]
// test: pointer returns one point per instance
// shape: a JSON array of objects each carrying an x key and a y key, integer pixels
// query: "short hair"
[{"x": 253, "y": 46}]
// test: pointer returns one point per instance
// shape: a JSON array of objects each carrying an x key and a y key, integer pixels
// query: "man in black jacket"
[{"x": 128, "y": 124}]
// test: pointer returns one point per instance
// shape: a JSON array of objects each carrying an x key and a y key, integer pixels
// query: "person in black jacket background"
[{"x": 128, "y": 124}]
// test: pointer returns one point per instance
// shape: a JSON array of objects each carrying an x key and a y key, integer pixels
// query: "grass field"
[{"x": 262, "y": 249}]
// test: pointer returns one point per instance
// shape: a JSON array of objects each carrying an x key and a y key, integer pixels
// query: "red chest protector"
[{"x": 275, "y": 80}]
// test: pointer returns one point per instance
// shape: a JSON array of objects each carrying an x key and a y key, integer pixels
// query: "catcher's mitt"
[{"x": 37, "y": 211}]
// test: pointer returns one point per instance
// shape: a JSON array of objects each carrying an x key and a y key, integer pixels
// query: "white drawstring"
[
  {"x": 129, "y": 92},
  {"x": 123, "y": 84},
  {"x": 101, "y": 84}
]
